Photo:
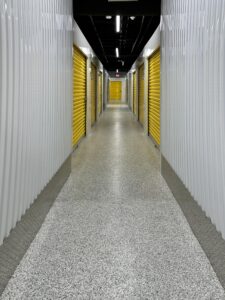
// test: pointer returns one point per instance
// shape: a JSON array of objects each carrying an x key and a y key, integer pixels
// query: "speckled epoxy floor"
[{"x": 115, "y": 231}]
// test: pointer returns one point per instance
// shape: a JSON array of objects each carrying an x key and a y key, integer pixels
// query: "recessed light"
[
  {"x": 117, "y": 52},
  {"x": 117, "y": 23},
  {"x": 132, "y": 18},
  {"x": 108, "y": 17}
]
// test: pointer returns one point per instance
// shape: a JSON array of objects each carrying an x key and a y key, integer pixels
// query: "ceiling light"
[
  {"x": 117, "y": 23},
  {"x": 108, "y": 17},
  {"x": 117, "y": 52},
  {"x": 132, "y": 18},
  {"x": 148, "y": 52}
]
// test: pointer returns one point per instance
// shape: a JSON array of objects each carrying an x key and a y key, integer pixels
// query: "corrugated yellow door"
[
  {"x": 154, "y": 96},
  {"x": 100, "y": 94},
  {"x": 79, "y": 95},
  {"x": 93, "y": 94},
  {"x": 135, "y": 93},
  {"x": 141, "y": 83},
  {"x": 115, "y": 91}
]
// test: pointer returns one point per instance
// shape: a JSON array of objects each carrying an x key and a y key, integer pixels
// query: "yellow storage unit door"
[
  {"x": 93, "y": 94},
  {"x": 79, "y": 95},
  {"x": 141, "y": 83},
  {"x": 135, "y": 93},
  {"x": 115, "y": 91},
  {"x": 100, "y": 94},
  {"x": 154, "y": 96}
]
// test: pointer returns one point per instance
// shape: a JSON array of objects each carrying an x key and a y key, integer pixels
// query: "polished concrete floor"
[{"x": 115, "y": 230}]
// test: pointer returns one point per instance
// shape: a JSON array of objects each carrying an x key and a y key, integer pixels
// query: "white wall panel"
[
  {"x": 192, "y": 99},
  {"x": 105, "y": 88},
  {"x": 130, "y": 90},
  {"x": 35, "y": 100}
]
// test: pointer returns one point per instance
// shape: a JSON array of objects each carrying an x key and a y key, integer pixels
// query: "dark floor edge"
[
  {"x": 209, "y": 238},
  {"x": 15, "y": 246}
]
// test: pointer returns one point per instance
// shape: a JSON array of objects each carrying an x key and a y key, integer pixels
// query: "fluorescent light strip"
[
  {"x": 117, "y": 23},
  {"x": 117, "y": 52}
]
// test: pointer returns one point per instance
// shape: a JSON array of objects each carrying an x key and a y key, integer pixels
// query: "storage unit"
[
  {"x": 115, "y": 91},
  {"x": 141, "y": 83},
  {"x": 154, "y": 97},
  {"x": 93, "y": 93},
  {"x": 135, "y": 93},
  {"x": 100, "y": 94},
  {"x": 79, "y": 95}
]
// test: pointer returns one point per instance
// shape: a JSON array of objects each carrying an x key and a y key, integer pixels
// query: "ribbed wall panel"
[
  {"x": 135, "y": 93},
  {"x": 100, "y": 93},
  {"x": 130, "y": 91},
  {"x": 35, "y": 100},
  {"x": 93, "y": 93},
  {"x": 192, "y": 95},
  {"x": 141, "y": 91}
]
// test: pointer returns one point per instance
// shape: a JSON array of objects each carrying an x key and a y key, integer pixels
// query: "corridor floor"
[{"x": 115, "y": 230}]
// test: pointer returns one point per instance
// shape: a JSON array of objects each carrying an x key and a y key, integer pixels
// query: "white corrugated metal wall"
[
  {"x": 192, "y": 95},
  {"x": 130, "y": 90},
  {"x": 105, "y": 88},
  {"x": 35, "y": 100}
]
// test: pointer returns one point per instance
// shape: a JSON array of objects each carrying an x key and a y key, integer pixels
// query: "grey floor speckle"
[{"x": 115, "y": 230}]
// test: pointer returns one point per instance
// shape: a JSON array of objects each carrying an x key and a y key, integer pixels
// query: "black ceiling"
[
  {"x": 125, "y": 8},
  {"x": 101, "y": 33}
]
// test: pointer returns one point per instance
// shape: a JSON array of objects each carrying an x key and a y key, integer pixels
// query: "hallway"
[{"x": 115, "y": 230}]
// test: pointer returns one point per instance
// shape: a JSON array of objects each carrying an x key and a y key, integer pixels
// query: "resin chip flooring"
[{"x": 115, "y": 230}]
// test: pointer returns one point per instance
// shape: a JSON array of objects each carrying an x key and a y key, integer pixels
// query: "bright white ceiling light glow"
[
  {"x": 148, "y": 52},
  {"x": 117, "y": 23},
  {"x": 108, "y": 17},
  {"x": 117, "y": 52},
  {"x": 86, "y": 50}
]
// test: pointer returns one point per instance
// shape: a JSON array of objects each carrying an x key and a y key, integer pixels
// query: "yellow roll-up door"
[
  {"x": 115, "y": 91},
  {"x": 135, "y": 93},
  {"x": 93, "y": 94},
  {"x": 154, "y": 96},
  {"x": 100, "y": 94},
  {"x": 79, "y": 95},
  {"x": 141, "y": 83}
]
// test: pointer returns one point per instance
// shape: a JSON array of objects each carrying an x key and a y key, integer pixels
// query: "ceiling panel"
[{"x": 104, "y": 7}]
